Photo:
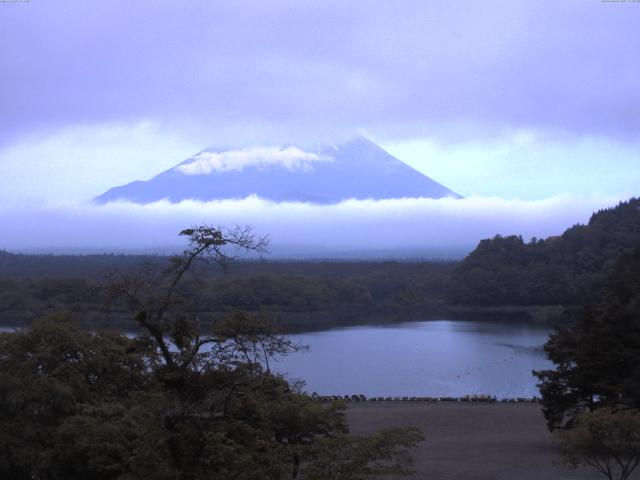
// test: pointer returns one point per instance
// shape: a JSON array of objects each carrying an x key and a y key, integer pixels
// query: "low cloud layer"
[
  {"x": 298, "y": 229},
  {"x": 291, "y": 158}
]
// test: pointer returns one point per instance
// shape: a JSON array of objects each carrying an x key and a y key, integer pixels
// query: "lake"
[
  {"x": 438, "y": 358},
  {"x": 431, "y": 358}
]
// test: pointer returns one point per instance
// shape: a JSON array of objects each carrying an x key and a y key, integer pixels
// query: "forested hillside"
[{"x": 570, "y": 269}]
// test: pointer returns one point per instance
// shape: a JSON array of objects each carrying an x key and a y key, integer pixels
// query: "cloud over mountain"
[{"x": 291, "y": 158}]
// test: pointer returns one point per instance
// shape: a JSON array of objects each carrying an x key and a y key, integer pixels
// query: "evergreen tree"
[{"x": 598, "y": 359}]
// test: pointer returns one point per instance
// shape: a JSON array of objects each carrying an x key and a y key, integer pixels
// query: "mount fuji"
[{"x": 358, "y": 169}]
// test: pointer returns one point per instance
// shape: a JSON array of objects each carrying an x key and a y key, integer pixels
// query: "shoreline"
[
  {"x": 313, "y": 322},
  {"x": 478, "y": 399}
]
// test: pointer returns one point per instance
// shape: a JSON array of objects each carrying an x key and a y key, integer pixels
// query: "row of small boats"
[{"x": 466, "y": 398}]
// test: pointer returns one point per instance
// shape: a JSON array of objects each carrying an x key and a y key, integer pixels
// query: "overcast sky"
[{"x": 522, "y": 100}]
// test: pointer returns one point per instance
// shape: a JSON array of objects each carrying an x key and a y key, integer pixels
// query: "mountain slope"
[{"x": 358, "y": 169}]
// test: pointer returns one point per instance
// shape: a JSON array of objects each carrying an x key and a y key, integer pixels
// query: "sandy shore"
[{"x": 472, "y": 441}]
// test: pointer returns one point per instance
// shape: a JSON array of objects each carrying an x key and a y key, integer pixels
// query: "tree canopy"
[
  {"x": 570, "y": 269},
  {"x": 175, "y": 402},
  {"x": 607, "y": 440}
]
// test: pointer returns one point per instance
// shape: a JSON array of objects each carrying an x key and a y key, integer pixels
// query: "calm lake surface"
[{"x": 431, "y": 358}]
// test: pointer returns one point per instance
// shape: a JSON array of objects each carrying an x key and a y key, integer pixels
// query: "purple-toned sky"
[{"x": 524, "y": 100}]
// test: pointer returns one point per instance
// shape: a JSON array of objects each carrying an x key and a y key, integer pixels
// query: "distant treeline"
[
  {"x": 570, "y": 269},
  {"x": 300, "y": 295}
]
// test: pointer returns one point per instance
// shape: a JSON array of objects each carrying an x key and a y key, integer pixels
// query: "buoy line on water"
[
  {"x": 475, "y": 398},
  {"x": 490, "y": 365}
]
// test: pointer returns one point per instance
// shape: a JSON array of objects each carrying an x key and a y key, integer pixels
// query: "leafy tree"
[
  {"x": 174, "y": 402},
  {"x": 358, "y": 458},
  {"x": 53, "y": 376},
  {"x": 607, "y": 440},
  {"x": 161, "y": 307}
]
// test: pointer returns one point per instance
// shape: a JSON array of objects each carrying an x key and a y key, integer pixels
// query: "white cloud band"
[
  {"x": 291, "y": 158},
  {"x": 354, "y": 225}
]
